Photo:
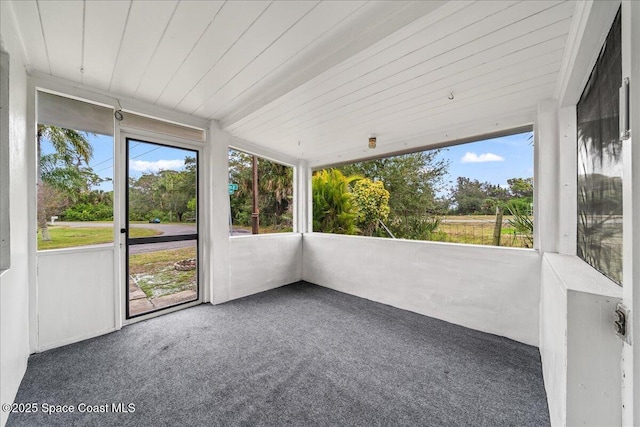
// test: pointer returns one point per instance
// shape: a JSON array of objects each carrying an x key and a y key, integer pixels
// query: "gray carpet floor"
[{"x": 298, "y": 355}]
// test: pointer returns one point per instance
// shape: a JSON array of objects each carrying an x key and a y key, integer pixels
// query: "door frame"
[{"x": 120, "y": 220}]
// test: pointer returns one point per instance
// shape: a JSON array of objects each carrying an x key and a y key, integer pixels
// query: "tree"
[
  {"x": 275, "y": 191},
  {"x": 333, "y": 208},
  {"x": 469, "y": 196},
  {"x": 472, "y": 197},
  {"x": 72, "y": 149},
  {"x": 372, "y": 204},
  {"x": 166, "y": 194},
  {"x": 412, "y": 181},
  {"x": 521, "y": 187}
]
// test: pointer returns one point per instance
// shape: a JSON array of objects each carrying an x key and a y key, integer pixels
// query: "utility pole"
[{"x": 255, "y": 218}]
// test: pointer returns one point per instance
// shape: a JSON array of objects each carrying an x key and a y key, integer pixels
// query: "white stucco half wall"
[
  {"x": 579, "y": 349},
  {"x": 263, "y": 262},
  {"x": 491, "y": 289}
]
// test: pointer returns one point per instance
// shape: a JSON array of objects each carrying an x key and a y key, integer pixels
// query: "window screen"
[
  {"x": 600, "y": 162},
  {"x": 74, "y": 143}
]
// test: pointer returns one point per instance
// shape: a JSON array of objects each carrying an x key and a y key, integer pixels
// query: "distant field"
[
  {"x": 478, "y": 229},
  {"x": 69, "y": 237}
]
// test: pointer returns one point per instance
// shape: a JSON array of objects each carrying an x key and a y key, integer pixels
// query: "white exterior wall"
[
  {"x": 490, "y": 289},
  {"x": 216, "y": 250},
  {"x": 580, "y": 353},
  {"x": 263, "y": 262},
  {"x": 75, "y": 295},
  {"x": 553, "y": 343},
  {"x": 631, "y": 224},
  {"x": 14, "y": 282}
]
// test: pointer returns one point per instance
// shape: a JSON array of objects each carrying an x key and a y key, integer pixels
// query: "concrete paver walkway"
[{"x": 139, "y": 303}]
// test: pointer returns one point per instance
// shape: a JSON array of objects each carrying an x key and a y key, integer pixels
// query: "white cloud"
[
  {"x": 145, "y": 166},
  {"x": 482, "y": 158}
]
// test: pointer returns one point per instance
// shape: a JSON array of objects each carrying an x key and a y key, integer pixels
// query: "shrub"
[
  {"x": 89, "y": 212},
  {"x": 333, "y": 209},
  {"x": 371, "y": 200}
]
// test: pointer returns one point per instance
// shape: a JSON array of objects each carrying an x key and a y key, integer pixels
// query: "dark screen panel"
[{"x": 600, "y": 162}]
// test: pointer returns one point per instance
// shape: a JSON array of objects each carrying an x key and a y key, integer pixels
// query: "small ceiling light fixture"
[{"x": 372, "y": 141}]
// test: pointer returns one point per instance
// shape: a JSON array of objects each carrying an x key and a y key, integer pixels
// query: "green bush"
[
  {"x": 89, "y": 212},
  {"x": 415, "y": 227},
  {"x": 371, "y": 201}
]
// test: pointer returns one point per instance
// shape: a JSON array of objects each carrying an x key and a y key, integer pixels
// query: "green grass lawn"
[
  {"x": 70, "y": 237},
  {"x": 265, "y": 229}
]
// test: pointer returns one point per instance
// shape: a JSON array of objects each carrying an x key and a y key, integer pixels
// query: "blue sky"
[
  {"x": 494, "y": 160},
  {"x": 144, "y": 157}
]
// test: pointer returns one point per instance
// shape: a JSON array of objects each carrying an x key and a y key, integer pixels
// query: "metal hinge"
[{"x": 621, "y": 322}]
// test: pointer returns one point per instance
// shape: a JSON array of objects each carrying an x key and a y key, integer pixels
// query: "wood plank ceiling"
[{"x": 310, "y": 79}]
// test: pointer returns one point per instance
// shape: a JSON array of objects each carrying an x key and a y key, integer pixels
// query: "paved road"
[{"x": 166, "y": 229}]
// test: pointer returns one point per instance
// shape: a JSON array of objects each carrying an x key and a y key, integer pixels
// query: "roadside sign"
[{"x": 233, "y": 188}]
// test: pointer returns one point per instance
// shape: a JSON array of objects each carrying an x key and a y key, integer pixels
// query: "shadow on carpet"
[{"x": 297, "y": 355}]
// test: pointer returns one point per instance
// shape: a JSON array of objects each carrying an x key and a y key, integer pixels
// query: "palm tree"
[{"x": 72, "y": 148}]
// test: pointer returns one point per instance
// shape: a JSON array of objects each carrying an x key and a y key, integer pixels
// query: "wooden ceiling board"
[
  {"x": 366, "y": 71},
  {"x": 230, "y": 23},
  {"x": 371, "y": 59},
  {"x": 380, "y": 105},
  {"x": 28, "y": 19},
  {"x": 441, "y": 121},
  {"x": 276, "y": 20},
  {"x": 187, "y": 27},
  {"x": 304, "y": 35},
  {"x": 62, "y": 24},
  {"x": 104, "y": 24},
  {"x": 310, "y": 79},
  {"x": 144, "y": 30},
  {"x": 403, "y": 101},
  {"x": 346, "y": 40},
  {"x": 475, "y": 94},
  {"x": 409, "y": 66},
  {"x": 485, "y": 78},
  {"x": 414, "y": 85},
  {"x": 514, "y": 97}
]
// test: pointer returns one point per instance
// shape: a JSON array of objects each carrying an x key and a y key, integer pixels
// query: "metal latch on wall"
[
  {"x": 621, "y": 321},
  {"x": 625, "y": 111}
]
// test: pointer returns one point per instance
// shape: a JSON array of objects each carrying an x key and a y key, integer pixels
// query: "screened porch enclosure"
[{"x": 133, "y": 238}]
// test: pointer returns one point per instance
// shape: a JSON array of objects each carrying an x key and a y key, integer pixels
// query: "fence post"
[{"x": 497, "y": 231}]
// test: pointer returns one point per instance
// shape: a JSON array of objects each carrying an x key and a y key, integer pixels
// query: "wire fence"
[{"x": 480, "y": 232}]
